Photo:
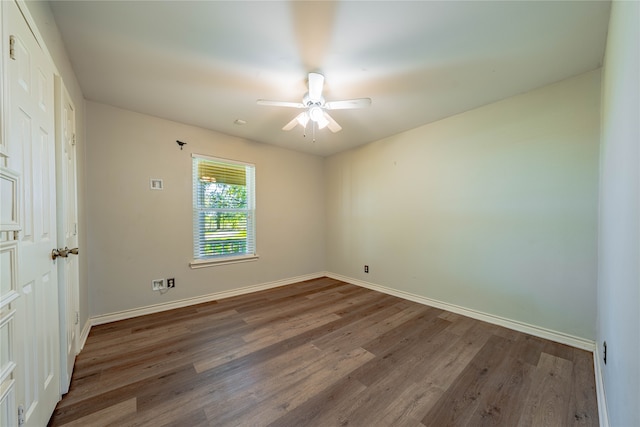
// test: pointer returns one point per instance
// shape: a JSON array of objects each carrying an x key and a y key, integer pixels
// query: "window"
[{"x": 223, "y": 211}]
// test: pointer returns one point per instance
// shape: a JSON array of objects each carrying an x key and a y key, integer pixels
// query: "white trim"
[
  {"x": 6, "y": 388},
  {"x": 220, "y": 159},
  {"x": 601, "y": 397},
  {"x": 11, "y": 247},
  {"x": 13, "y": 178},
  {"x": 10, "y": 364},
  {"x": 83, "y": 336},
  {"x": 156, "y": 308},
  {"x": 537, "y": 331},
  {"x": 210, "y": 262}
]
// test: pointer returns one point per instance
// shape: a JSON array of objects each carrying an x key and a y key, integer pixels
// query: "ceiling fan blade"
[
  {"x": 280, "y": 103},
  {"x": 348, "y": 104},
  {"x": 316, "y": 82},
  {"x": 291, "y": 124},
  {"x": 332, "y": 125}
]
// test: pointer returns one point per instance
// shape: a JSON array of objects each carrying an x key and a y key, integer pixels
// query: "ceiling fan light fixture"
[{"x": 316, "y": 114}]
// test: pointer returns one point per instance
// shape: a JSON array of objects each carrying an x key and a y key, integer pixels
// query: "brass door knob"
[
  {"x": 63, "y": 253},
  {"x": 59, "y": 253}
]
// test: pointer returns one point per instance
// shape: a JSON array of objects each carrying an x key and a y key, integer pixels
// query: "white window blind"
[{"x": 223, "y": 209}]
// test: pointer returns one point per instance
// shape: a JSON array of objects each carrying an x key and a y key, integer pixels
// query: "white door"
[
  {"x": 67, "y": 232},
  {"x": 30, "y": 142}
]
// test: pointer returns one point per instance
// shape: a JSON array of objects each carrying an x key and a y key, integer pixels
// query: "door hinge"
[
  {"x": 73, "y": 139},
  {"x": 20, "y": 415},
  {"x": 77, "y": 317},
  {"x": 12, "y": 47}
]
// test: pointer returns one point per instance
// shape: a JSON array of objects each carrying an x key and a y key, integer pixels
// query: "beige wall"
[
  {"x": 138, "y": 234},
  {"x": 619, "y": 242},
  {"x": 494, "y": 209}
]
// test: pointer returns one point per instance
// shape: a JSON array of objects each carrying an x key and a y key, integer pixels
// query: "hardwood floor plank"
[
  {"x": 375, "y": 404},
  {"x": 289, "y": 327},
  {"x": 162, "y": 386},
  {"x": 194, "y": 419},
  {"x": 323, "y": 408},
  {"x": 548, "y": 399},
  {"x": 416, "y": 327},
  {"x": 411, "y": 405},
  {"x": 266, "y": 338},
  {"x": 323, "y": 353},
  {"x": 509, "y": 386},
  {"x": 289, "y": 390},
  {"x": 168, "y": 406},
  {"x": 326, "y": 303},
  {"x": 461, "y": 324},
  {"x": 365, "y": 329},
  {"x": 461, "y": 399},
  {"x": 583, "y": 402},
  {"x": 410, "y": 354},
  {"x": 107, "y": 416},
  {"x": 450, "y": 358},
  {"x": 139, "y": 341}
]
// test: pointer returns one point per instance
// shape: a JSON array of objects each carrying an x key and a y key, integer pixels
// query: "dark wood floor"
[{"x": 323, "y": 353}]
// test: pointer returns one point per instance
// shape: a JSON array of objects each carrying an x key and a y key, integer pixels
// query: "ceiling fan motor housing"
[{"x": 307, "y": 101}]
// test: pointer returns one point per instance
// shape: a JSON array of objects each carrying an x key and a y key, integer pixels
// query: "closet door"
[
  {"x": 29, "y": 145},
  {"x": 68, "y": 273}
]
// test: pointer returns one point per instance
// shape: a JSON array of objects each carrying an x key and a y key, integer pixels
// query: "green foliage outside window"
[{"x": 225, "y": 232}]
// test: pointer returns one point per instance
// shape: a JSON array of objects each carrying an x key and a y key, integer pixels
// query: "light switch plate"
[{"x": 156, "y": 184}]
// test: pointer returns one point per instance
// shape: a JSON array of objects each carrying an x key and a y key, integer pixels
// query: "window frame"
[{"x": 200, "y": 261}]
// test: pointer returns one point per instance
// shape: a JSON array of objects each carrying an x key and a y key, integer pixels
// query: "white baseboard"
[
  {"x": 157, "y": 308},
  {"x": 537, "y": 331},
  {"x": 84, "y": 335},
  {"x": 603, "y": 413}
]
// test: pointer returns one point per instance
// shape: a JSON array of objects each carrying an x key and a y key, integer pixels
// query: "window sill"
[{"x": 202, "y": 263}]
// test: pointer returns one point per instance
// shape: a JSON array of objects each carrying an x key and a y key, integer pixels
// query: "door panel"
[
  {"x": 30, "y": 153},
  {"x": 23, "y": 139}
]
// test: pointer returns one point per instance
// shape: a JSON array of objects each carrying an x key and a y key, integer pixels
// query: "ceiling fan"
[{"x": 316, "y": 107}]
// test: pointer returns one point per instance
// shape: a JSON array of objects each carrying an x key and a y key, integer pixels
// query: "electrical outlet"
[
  {"x": 171, "y": 283},
  {"x": 366, "y": 268},
  {"x": 158, "y": 285}
]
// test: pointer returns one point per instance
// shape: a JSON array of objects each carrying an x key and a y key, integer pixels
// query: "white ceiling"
[{"x": 205, "y": 63}]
